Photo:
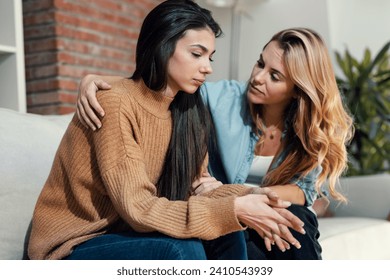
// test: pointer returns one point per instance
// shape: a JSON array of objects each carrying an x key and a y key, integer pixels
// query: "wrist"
[
  {"x": 238, "y": 206},
  {"x": 238, "y": 210}
]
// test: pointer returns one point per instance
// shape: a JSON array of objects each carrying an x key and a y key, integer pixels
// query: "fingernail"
[
  {"x": 303, "y": 231},
  {"x": 298, "y": 246}
]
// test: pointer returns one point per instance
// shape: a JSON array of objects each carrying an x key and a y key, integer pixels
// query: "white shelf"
[
  {"x": 7, "y": 49},
  {"x": 12, "y": 73}
]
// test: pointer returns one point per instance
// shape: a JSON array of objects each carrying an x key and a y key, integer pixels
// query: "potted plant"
[{"x": 365, "y": 86}]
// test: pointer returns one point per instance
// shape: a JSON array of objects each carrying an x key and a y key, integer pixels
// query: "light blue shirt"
[{"x": 231, "y": 161}]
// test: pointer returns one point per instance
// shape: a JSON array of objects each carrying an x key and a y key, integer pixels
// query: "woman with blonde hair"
[{"x": 286, "y": 128}]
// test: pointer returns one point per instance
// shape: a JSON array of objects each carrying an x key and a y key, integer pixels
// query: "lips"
[
  {"x": 199, "y": 81},
  {"x": 255, "y": 89}
]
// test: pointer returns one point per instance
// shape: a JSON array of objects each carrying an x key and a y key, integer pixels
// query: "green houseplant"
[{"x": 365, "y": 86}]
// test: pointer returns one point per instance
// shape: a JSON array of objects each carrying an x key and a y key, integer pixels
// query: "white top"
[{"x": 259, "y": 168}]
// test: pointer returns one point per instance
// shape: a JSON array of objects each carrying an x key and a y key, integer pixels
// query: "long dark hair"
[{"x": 192, "y": 125}]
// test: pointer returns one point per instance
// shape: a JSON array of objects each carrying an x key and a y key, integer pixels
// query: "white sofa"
[{"x": 28, "y": 143}]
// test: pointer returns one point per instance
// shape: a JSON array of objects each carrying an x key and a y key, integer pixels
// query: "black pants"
[{"x": 310, "y": 250}]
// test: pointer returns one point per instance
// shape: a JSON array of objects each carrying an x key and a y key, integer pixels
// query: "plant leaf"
[{"x": 380, "y": 56}]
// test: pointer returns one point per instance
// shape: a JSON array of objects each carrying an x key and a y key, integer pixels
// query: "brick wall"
[{"x": 66, "y": 39}]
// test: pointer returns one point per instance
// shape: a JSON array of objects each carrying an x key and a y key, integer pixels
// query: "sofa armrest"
[
  {"x": 368, "y": 196},
  {"x": 28, "y": 143}
]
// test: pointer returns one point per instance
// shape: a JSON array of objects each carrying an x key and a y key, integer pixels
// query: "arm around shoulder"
[{"x": 88, "y": 107}]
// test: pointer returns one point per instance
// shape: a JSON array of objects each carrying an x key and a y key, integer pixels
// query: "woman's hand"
[
  {"x": 283, "y": 245},
  {"x": 205, "y": 184},
  {"x": 275, "y": 240},
  {"x": 270, "y": 219},
  {"x": 88, "y": 107},
  {"x": 270, "y": 193}
]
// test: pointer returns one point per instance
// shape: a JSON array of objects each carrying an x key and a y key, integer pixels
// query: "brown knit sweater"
[{"x": 104, "y": 181}]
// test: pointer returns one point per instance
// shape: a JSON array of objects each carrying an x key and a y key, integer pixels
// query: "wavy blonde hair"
[{"x": 319, "y": 126}]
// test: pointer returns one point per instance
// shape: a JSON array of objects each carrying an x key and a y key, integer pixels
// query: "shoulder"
[
  {"x": 221, "y": 86},
  {"x": 224, "y": 94},
  {"x": 118, "y": 89},
  {"x": 117, "y": 96},
  {"x": 224, "y": 90}
]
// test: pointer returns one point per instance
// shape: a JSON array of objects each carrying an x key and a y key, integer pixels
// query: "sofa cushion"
[
  {"x": 28, "y": 143},
  {"x": 354, "y": 238}
]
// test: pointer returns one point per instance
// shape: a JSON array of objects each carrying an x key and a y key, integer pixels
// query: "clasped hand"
[{"x": 261, "y": 210}]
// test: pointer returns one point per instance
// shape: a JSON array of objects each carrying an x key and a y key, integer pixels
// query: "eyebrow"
[
  {"x": 202, "y": 47},
  {"x": 273, "y": 69}
]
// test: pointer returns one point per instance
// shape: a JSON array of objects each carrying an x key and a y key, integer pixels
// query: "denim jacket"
[{"x": 230, "y": 162}]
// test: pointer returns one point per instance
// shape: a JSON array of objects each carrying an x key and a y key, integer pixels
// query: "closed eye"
[
  {"x": 275, "y": 77},
  {"x": 198, "y": 55}
]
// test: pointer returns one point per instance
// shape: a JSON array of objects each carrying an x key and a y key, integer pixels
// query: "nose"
[
  {"x": 206, "y": 68},
  {"x": 259, "y": 76}
]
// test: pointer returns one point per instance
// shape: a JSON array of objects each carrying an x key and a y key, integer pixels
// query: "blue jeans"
[
  {"x": 157, "y": 246},
  {"x": 228, "y": 247}
]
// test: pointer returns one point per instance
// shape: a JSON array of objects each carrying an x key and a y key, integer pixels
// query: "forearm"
[{"x": 290, "y": 192}]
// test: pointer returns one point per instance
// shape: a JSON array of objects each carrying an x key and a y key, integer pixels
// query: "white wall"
[
  {"x": 221, "y": 57},
  {"x": 354, "y": 23},
  {"x": 359, "y": 24},
  {"x": 268, "y": 17}
]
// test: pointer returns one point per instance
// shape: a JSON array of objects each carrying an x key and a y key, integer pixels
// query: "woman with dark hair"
[{"x": 124, "y": 192}]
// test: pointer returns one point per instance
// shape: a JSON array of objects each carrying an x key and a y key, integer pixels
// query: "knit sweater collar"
[{"x": 152, "y": 101}]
